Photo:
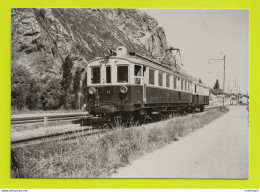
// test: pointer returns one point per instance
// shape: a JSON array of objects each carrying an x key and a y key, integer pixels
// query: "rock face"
[{"x": 42, "y": 39}]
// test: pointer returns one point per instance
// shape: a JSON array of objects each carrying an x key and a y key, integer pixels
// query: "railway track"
[
  {"x": 88, "y": 130},
  {"x": 59, "y": 136},
  {"x": 96, "y": 127}
]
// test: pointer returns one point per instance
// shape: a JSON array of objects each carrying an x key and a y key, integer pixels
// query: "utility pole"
[
  {"x": 224, "y": 75},
  {"x": 224, "y": 81},
  {"x": 247, "y": 96},
  {"x": 235, "y": 86}
]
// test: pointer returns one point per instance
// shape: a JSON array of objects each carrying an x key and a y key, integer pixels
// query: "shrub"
[
  {"x": 20, "y": 81},
  {"x": 123, "y": 150}
]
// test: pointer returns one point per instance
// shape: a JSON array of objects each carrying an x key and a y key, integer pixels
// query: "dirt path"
[{"x": 219, "y": 150}]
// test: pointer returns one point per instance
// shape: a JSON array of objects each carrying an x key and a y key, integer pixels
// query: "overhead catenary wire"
[
  {"x": 184, "y": 41},
  {"x": 207, "y": 28}
]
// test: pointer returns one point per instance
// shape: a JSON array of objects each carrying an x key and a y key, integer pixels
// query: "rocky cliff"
[{"x": 44, "y": 39}]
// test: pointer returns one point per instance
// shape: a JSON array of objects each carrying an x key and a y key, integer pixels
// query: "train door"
[
  {"x": 196, "y": 95},
  {"x": 145, "y": 83},
  {"x": 190, "y": 91}
]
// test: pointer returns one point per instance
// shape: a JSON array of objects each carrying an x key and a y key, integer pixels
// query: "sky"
[{"x": 210, "y": 34}]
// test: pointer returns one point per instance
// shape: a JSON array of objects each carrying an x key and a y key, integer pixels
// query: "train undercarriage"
[{"x": 148, "y": 113}]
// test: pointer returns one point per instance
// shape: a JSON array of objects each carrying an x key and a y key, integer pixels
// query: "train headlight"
[
  {"x": 123, "y": 89},
  {"x": 92, "y": 90}
]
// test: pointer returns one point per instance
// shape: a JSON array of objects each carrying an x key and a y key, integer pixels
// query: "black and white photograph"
[{"x": 129, "y": 93}]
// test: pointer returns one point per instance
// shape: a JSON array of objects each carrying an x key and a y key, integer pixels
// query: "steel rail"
[{"x": 63, "y": 135}]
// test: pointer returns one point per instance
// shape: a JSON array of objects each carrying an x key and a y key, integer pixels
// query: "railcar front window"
[
  {"x": 138, "y": 74},
  {"x": 138, "y": 70},
  {"x": 95, "y": 75},
  {"x": 108, "y": 74},
  {"x": 122, "y": 74}
]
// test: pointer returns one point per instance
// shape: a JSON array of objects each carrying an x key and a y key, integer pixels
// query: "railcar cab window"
[
  {"x": 151, "y": 76},
  {"x": 138, "y": 74},
  {"x": 160, "y": 79},
  {"x": 108, "y": 74},
  {"x": 122, "y": 74},
  {"x": 95, "y": 75}
]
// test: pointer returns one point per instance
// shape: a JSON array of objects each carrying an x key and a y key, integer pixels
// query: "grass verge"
[
  {"x": 99, "y": 156},
  {"x": 33, "y": 126}
]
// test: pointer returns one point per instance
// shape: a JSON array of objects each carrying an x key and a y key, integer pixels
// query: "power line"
[{"x": 207, "y": 28}]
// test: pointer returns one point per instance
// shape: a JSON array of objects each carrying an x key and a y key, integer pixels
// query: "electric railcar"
[{"x": 129, "y": 85}]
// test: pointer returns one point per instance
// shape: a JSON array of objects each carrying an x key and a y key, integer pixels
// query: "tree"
[
  {"x": 66, "y": 80},
  {"x": 50, "y": 97},
  {"x": 76, "y": 86},
  {"x": 20, "y": 82},
  {"x": 216, "y": 86},
  {"x": 84, "y": 84},
  {"x": 32, "y": 100}
]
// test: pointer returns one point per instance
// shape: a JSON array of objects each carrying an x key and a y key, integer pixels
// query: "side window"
[
  {"x": 138, "y": 74},
  {"x": 151, "y": 76},
  {"x": 95, "y": 75},
  {"x": 108, "y": 74},
  {"x": 195, "y": 89},
  {"x": 167, "y": 80},
  {"x": 160, "y": 79},
  {"x": 181, "y": 84},
  {"x": 174, "y": 82},
  {"x": 178, "y": 83},
  {"x": 122, "y": 74}
]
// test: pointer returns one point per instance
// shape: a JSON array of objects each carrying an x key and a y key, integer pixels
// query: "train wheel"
[
  {"x": 202, "y": 108},
  {"x": 115, "y": 121}
]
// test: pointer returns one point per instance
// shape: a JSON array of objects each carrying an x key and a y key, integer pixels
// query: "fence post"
[{"x": 45, "y": 121}]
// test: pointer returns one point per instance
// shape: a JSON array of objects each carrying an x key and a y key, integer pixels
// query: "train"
[{"x": 126, "y": 85}]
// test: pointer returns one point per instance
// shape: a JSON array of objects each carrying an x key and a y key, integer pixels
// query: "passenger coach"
[{"x": 127, "y": 84}]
